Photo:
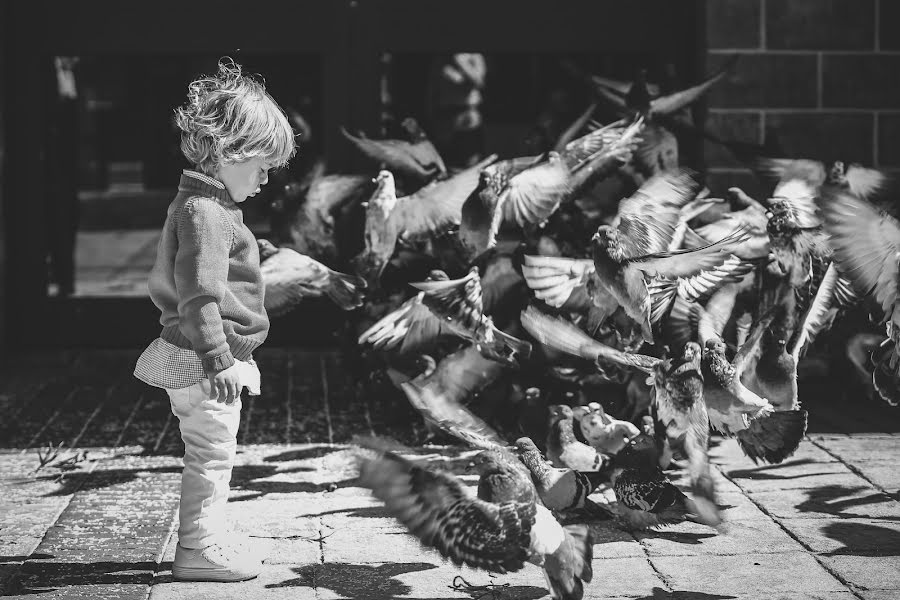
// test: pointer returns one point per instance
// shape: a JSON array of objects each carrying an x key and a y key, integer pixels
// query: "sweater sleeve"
[{"x": 205, "y": 236}]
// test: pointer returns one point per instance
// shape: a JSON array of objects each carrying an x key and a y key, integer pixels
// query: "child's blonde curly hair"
[{"x": 230, "y": 118}]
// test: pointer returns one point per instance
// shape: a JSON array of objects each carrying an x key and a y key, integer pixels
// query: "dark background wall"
[{"x": 824, "y": 73}]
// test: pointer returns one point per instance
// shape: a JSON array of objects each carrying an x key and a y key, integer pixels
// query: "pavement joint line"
[
  {"x": 173, "y": 528},
  {"x": 97, "y": 410},
  {"x": 850, "y": 587},
  {"x": 162, "y": 434},
  {"x": 662, "y": 578},
  {"x": 324, "y": 377},
  {"x": 134, "y": 411},
  {"x": 856, "y": 471},
  {"x": 289, "y": 394},
  {"x": 52, "y": 418},
  {"x": 39, "y": 389},
  {"x": 13, "y": 580}
]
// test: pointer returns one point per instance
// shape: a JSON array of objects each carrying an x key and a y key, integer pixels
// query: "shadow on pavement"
[
  {"x": 661, "y": 594},
  {"x": 771, "y": 471},
  {"x": 836, "y": 499},
  {"x": 45, "y": 577},
  {"x": 82, "y": 481},
  {"x": 378, "y": 582},
  {"x": 861, "y": 539}
]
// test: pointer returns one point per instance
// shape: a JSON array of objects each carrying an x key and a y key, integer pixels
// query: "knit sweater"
[{"x": 206, "y": 280}]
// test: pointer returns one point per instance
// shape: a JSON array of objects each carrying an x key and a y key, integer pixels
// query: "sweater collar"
[{"x": 195, "y": 182}]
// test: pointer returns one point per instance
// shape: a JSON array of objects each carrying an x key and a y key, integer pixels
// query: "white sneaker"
[{"x": 219, "y": 562}]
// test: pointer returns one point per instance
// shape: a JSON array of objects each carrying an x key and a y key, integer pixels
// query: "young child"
[{"x": 206, "y": 282}]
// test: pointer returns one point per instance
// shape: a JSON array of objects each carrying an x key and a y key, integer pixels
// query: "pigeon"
[
  {"x": 639, "y": 99},
  {"x": 528, "y": 190},
  {"x": 440, "y": 395},
  {"x": 458, "y": 303},
  {"x": 600, "y": 430},
  {"x": 645, "y": 496},
  {"x": 499, "y": 530},
  {"x": 566, "y": 337},
  {"x": 307, "y": 216},
  {"x": 559, "y": 489},
  {"x": 563, "y": 448},
  {"x": 681, "y": 409},
  {"x": 866, "y": 243},
  {"x": 633, "y": 263},
  {"x": 430, "y": 211},
  {"x": 735, "y": 410},
  {"x": 752, "y": 218},
  {"x": 412, "y": 328},
  {"x": 416, "y": 158},
  {"x": 289, "y": 277}
]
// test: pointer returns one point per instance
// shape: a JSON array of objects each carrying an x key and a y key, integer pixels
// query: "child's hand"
[{"x": 225, "y": 386}]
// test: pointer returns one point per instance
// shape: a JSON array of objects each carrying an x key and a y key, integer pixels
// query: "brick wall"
[{"x": 824, "y": 73}]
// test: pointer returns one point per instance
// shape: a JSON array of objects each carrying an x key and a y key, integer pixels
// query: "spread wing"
[
  {"x": 565, "y": 337},
  {"x": 439, "y": 510},
  {"x": 535, "y": 193},
  {"x": 440, "y": 397},
  {"x": 460, "y": 299},
  {"x": 665, "y": 105},
  {"x": 289, "y": 277},
  {"x": 438, "y": 205},
  {"x": 748, "y": 354},
  {"x": 691, "y": 262},
  {"x": 421, "y": 160},
  {"x": 410, "y": 328},
  {"x": 864, "y": 182},
  {"x": 866, "y": 246},
  {"x": 553, "y": 279},
  {"x": 647, "y": 219},
  {"x": 823, "y": 308}
]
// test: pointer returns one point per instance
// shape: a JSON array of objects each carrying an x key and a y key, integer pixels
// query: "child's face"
[{"x": 244, "y": 179}]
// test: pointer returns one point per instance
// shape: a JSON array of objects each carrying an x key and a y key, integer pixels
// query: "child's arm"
[{"x": 205, "y": 235}]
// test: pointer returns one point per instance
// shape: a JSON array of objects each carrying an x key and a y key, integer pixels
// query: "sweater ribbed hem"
[{"x": 241, "y": 346}]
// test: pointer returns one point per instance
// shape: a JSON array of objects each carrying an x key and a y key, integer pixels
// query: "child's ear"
[{"x": 579, "y": 412}]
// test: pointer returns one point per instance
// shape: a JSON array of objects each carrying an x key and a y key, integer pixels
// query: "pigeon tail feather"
[
  {"x": 773, "y": 437},
  {"x": 570, "y": 565}
]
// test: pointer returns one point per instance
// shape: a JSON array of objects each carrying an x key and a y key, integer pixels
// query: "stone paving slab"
[
  {"x": 859, "y": 501},
  {"x": 104, "y": 531},
  {"x": 747, "y": 573},
  {"x": 867, "y": 572},
  {"x": 738, "y": 537},
  {"x": 847, "y": 536}
]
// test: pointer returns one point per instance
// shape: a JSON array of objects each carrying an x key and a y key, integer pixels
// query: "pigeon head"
[
  {"x": 266, "y": 249},
  {"x": 437, "y": 275},
  {"x": 560, "y": 412},
  {"x": 487, "y": 461},
  {"x": 413, "y": 130},
  {"x": 492, "y": 178},
  {"x": 525, "y": 445},
  {"x": 715, "y": 359},
  {"x": 691, "y": 352},
  {"x": 384, "y": 178},
  {"x": 838, "y": 173},
  {"x": 605, "y": 236},
  {"x": 640, "y": 452}
]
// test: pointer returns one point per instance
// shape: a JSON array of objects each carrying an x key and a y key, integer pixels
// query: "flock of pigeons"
[{"x": 696, "y": 310}]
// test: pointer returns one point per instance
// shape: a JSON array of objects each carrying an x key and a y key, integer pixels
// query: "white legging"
[{"x": 209, "y": 430}]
